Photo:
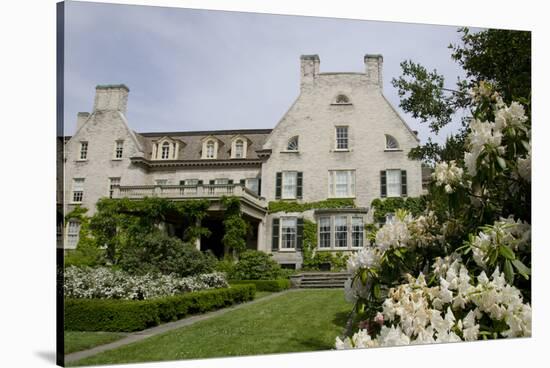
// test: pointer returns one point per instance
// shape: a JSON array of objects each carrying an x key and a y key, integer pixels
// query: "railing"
[{"x": 186, "y": 191}]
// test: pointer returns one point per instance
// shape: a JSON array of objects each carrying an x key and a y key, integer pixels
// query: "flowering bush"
[
  {"x": 477, "y": 223},
  {"x": 106, "y": 283}
]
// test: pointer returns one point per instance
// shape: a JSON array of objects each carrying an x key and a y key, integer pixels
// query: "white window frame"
[
  {"x": 190, "y": 186},
  {"x": 168, "y": 147},
  {"x": 350, "y": 231},
  {"x": 114, "y": 181},
  {"x": 281, "y": 234},
  {"x": 77, "y": 188},
  {"x": 332, "y": 184},
  {"x": 355, "y": 231},
  {"x": 119, "y": 149},
  {"x": 337, "y": 138},
  {"x": 323, "y": 231},
  {"x": 346, "y": 231},
  {"x": 389, "y": 138},
  {"x": 160, "y": 182},
  {"x": 72, "y": 234},
  {"x": 393, "y": 194},
  {"x": 244, "y": 147},
  {"x": 293, "y": 140},
  {"x": 249, "y": 186},
  {"x": 83, "y": 151},
  {"x": 286, "y": 194}
]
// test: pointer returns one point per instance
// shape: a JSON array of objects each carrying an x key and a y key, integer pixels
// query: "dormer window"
[
  {"x": 342, "y": 99},
  {"x": 239, "y": 147},
  {"x": 292, "y": 144},
  {"x": 391, "y": 143},
  {"x": 167, "y": 148},
  {"x": 210, "y": 149},
  {"x": 165, "y": 154}
]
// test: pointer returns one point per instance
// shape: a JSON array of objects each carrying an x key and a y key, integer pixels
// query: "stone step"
[{"x": 322, "y": 286}]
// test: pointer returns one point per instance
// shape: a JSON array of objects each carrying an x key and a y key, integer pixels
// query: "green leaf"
[
  {"x": 363, "y": 277},
  {"x": 501, "y": 162},
  {"x": 506, "y": 252},
  {"x": 522, "y": 269},
  {"x": 508, "y": 271},
  {"x": 376, "y": 291}
]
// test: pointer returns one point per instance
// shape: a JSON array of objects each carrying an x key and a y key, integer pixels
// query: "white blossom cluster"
[
  {"x": 365, "y": 258},
  {"x": 419, "y": 314},
  {"x": 514, "y": 234},
  {"x": 489, "y": 134},
  {"x": 448, "y": 175},
  {"x": 394, "y": 234},
  {"x": 105, "y": 283}
]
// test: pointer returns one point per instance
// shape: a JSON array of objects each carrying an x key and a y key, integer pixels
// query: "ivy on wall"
[
  {"x": 381, "y": 207},
  {"x": 235, "y": 227},
  {"x": 313, "y": 260},
  {"x": 293, "y": 206}
]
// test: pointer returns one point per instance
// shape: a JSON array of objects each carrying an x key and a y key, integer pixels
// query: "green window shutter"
[
  {"x": 182, "y": 182},
  {"x": 278, "y": 184},
  {"x": 275, "y": 235},
  {"x": 200, "y": 182},
  {"x": 299, "y": 184},
  {"x": 243, "y": 182},
  {"x": 230, "y": 181},
  {"x": 259, "y": 187},
  {"x": 299, "y": 233},
  {"x": 383, "y": 190},
  {"x": 212, "y": 182},
  {"x": 404, "y": 183}
]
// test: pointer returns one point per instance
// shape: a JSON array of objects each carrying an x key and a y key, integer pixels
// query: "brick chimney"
[
  {"x": 309, "y": 66},
  {"x": 373, "y": 69},
  {"x": 112, "y": 97}
]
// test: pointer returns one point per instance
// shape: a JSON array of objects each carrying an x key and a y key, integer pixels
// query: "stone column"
[{"x": 260, "y": 245}]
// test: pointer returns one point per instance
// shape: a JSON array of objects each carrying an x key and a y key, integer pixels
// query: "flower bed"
[
  {"x": 135, "y": 315},
  {"x": 105, "y": 283},
  {"x": 265, "y": 285}
]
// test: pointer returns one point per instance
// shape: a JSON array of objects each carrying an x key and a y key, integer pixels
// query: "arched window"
[
  {"x": 239, "y": 149},
  {"x": 342, "y": 99},
  {"x": 391, "y": 143},
  {"x": 292, "y": 144},
  {"x": 210, "y": 152},
  {"x": 165, "y": 153}
]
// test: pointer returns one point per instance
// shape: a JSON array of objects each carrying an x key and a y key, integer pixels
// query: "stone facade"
[{"x": 344, "y": 133}]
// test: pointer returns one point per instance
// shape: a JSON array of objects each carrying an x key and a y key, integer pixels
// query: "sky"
[{"x": 210, "y": 70}]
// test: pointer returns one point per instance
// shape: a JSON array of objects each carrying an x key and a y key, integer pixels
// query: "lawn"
[
  {"x": 304, "y": 320},
  {"x": 77, "y": 341}
]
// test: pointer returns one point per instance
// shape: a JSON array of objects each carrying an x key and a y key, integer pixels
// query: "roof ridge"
[{"x": 208, "y": 132}]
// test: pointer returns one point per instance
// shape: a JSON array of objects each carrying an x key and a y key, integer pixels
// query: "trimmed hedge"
[
  {"x": 132, "y": 315},
  {"x": 264, "y": 285}
]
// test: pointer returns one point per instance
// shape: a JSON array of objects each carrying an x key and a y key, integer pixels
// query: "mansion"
[{"x": 340, "y": 139}]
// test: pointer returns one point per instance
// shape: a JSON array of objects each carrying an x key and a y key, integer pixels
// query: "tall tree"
[{"x": 502, "y": 57}]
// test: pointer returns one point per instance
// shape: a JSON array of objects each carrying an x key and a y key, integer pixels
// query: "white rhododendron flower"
[
  {"x": 513, "y": 115},
  {"x": 448, "y": 175},
  {"x": 393, "y": 235},
  {"x": 524, "y": 165},
  {"x": 365, "y": 258},
  {"x": 414, "y": 313}
]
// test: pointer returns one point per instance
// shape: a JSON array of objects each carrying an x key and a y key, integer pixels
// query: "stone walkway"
[{"x": 141, "y": 335}]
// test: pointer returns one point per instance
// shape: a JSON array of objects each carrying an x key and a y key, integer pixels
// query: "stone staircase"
[{"x": 316, "y": 280}]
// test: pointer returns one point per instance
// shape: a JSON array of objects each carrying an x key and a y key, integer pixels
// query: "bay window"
[
  {"x": 288, "y": 233},
  {"x": 340, "y": 231},
  {"x": 324, "y": 232}
]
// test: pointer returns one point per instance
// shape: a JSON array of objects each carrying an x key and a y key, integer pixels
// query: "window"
[
  {"x": 222, "y": 181},
  {"x": 357, "y": 230},
  {"x": 391, "y": 143},
  {"x": 342, "y": 183},
  {"x": 210, "y": 149},
  {"x": 288, "y": 233},
  {"x": 113, "y": 182},
  {"x": 253, "y": 184},
  {"x": 324, "y": 232},
  {"x": 78, "y": 190},
  {"x": 239, "y": 149},
  {"x": 161, "y": 181},
  {"x": 342, "y": 138},
  {"x": 393, "y": 178},
  {"x": 292, "y": 144},
  {"x": 289, "y": 184},
  {"x": 73, "y": 231},
  {"x": 119, "y": 145},
  {"x": 340, "y": 232},
  {"x": 191, "y": 182},
  {"x": 83, "y": 150},
  {"x": 165, "y": 152},
  {"x": 342, "y": 99}
]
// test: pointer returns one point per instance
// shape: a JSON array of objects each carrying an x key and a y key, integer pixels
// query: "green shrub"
[
  {"x": 130, "y": 315},
  {"x": 256, "y": 265},
  {"x": 226, "y": 266},
  {"x": 336, "y": 260},
  {"x": 158, "y": 252},
  {"x": 265, "y": 285}
]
